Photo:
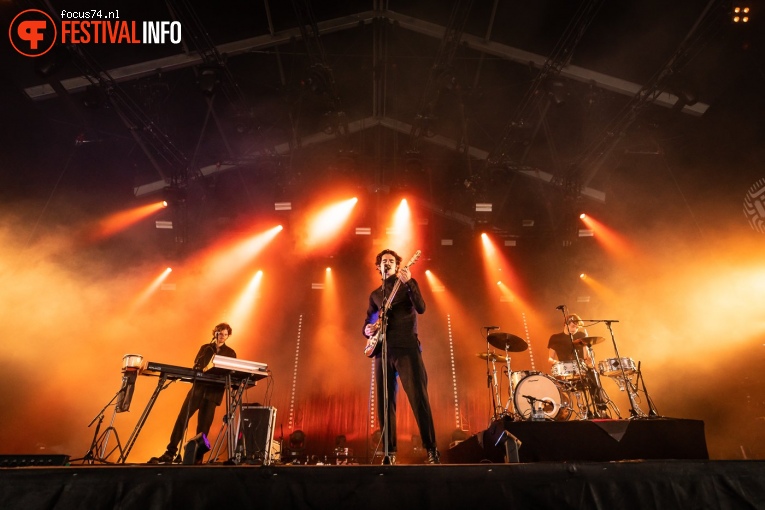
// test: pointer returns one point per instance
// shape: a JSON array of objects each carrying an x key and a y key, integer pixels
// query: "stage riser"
[
  {"x": 623, "y": 485},
  {"x": 586, "y": 441}
]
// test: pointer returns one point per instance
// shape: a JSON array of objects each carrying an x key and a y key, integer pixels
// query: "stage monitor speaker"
[
  {"x": 7, "y": 461},
  {"x": 256, "y": 432}
]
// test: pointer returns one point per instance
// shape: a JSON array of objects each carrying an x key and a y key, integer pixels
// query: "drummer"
[{"x": 560, "y": 347}]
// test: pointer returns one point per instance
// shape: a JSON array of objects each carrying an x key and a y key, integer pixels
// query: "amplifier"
[{"x": 255, "y": 436}]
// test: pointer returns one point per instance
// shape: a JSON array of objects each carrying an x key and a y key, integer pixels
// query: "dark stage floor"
[
  {"x": 604, "y": 485},
  {"x": 599, "y": 464}
]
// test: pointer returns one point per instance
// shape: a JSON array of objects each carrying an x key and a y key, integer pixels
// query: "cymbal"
[
  {"x": 589, "y": 340},
  {"x": 508, "y": 342},
  {"x": 492, "y": 357}
]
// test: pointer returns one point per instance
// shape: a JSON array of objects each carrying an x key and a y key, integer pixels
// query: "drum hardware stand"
[
  {"x": 652, "y": 413},
  {"x": 602, "y": 396},
  {"x": 491, "y": 379},
  {"x": 635, "y": 411},
  {"x": 94, "y": 455}
]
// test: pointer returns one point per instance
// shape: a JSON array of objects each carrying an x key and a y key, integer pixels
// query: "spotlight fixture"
[{"x": 173, "y": 195}]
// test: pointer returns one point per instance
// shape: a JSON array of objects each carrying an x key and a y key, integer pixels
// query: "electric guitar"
[{"x": 373, "y": 342}]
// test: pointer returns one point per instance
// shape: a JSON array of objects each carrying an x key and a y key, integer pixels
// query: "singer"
[
  {"x": 203, "y": 396},
  {"x": 404, "y": 352}
]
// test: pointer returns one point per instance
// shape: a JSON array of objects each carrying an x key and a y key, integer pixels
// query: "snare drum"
[
  {"x": 131, "y": 362},
  {"x": 611, "y": 367},
  {"x": 566, "y": 370},
  {"x": 545, "y": 388}
]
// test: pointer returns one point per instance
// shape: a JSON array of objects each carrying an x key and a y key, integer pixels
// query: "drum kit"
[{"x": 571, "y": 389}]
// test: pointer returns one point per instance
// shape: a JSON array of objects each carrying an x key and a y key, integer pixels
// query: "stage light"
[
  {"x": 174, "y": 195},
  {"x": 296, "y": 445},
  {"x": 209, "y": 78},
  {"x": 329, "y": 270},
  {"x": 741, "y": 14},
  {"x": 582, "y": 216},
  {"x": 582, "y": 275},
  {"x": 328, "y": 222}
]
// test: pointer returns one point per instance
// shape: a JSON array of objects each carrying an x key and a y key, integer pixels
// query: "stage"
[
  {"x": 657, "y": 463},
  {"x": 605, "y": 485}
]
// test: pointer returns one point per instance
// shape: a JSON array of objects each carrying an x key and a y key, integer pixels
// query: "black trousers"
[
  {"x": 405, "y": 364},
  {"x": 196, "y": 401}
]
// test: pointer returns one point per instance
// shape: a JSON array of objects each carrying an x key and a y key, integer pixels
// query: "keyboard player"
[{"x": 203, "y": 397}]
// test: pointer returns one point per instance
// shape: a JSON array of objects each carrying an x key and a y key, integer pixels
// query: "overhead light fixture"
[
  {"x": 740, "y": 14},
  {"x": 447, "y": 242},
  {"x": 586, "y": 232},
  {"x": 483, "y": 207},
  {"x": 363, "y": 231},
  {"x": 164, "y": 224},
  {"x": 283, "y": 206}
]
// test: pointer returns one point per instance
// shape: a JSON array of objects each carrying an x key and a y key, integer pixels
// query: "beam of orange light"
[
  {"x": 244, "y": 305},
  {"x": 599, "y": 288},
  {"x": 225, "y": 262},
  {"x": 497, "y": 267},
  {"x": 608, "y": 238},
  {"x": 150, "y": 289},
  {"x": 401, "y": 232},
  {"x": 328, "y": 222},
  {"x": 329, "y": 339},
  {"x": 121, "y": 220}
]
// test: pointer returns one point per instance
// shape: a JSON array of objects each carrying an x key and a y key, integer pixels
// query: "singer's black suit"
[
  {"x": 404, "y": 359},
  {"x": 203, "y": 397}
]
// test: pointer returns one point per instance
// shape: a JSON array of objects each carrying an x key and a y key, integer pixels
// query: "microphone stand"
[
  {"x": 384, "y": 361},
  {"x": 94, "y": 455}
]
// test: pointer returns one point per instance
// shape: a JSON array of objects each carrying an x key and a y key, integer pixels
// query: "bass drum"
[{"x": 545, "y": 388}]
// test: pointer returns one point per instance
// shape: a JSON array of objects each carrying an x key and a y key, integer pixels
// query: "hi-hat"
[
  {"x": 589, "y": 340},
  {"x": 508, "y": 342},
  {"x": 492, "y": 356}
]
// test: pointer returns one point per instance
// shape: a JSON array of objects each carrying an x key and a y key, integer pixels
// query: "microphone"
[
  {"x": 491, "y": 327},
  {"x": 560, "y": 307},
  {"x": 530, "y": 398}
]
